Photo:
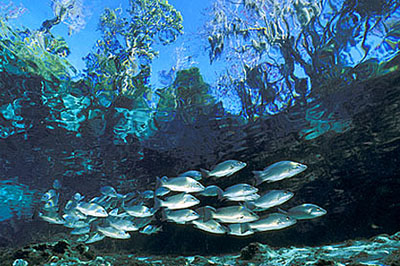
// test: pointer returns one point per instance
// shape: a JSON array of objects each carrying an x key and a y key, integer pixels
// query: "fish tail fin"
[
  {"x": 220, "y": 194},
  {"x": 244, "y": 227},
  {"x": 159, "y": 182},
  {"x": 249, "y": 205},
  {"x": 204, "y": 173},
  {"x": 153, "y": 211},
  {"x": 157, "y": 203},
  {"x": 206, "y": 213},
  {"x": 257, "y": 177},
  {"x": 163, "y": 216}
]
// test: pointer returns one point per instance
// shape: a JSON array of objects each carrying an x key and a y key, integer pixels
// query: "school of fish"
[{"x": 176, "y": 200}]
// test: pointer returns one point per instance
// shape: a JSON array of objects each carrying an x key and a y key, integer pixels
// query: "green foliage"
[
  {"x": 121, "y": 62},
  {"x": 40, "y": 53}
]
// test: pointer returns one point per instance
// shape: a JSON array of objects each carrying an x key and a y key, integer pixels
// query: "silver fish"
[
  {"x": 210, "y": 226},
  {"x": 240, "y": 230},
  {"x": 231, "y": 214},
  {"x": 253, "y": 196},
  {"x": 81, "y": 230},
  {"x": 92, "y": 209},
  {"x": 148, "y": 194},
  {"x": 180, "y": 216},
  {"x": 306, "y": 211},
  {"x": 193, "y": 174},
  {"x": 48, "y": 195},
  {"x": 74, "y": 215},
  {"x": 278, "y": 171},
  {"x": 274, "y": 221},
  {"x": 179, "y": 201},
  {"x": 78, "y": 197},
  {"x": 270, "y": 199},
  {"x": 109, "y": 191},
  {"x": 150, "y": 229},
  {"x": 122, "y": 224},
  {"x": 239, "y": 190},
  {"x": 51, "y": 204},
  {"x": 83, "y": 238},
  {"x": 226, "y": 168},
  {"x": 113, "y": 232},
  {"x": 161, "y": 191},
  {"x": 180, "y": 184},
  {"x": 139, "y": 211},
  {"x": 76, "y": 224},
  {"x": 70, "y": 205},
  {"x": 115, "y": 213},
  {"x": 53, "y": 218},
  {"x": 211, "y": 191},
  {"x": 94, "y": 238}
]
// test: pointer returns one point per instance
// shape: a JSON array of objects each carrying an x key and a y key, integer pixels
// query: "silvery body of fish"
[
  {"x": 226, "y": 168},
  {"x": 240, "y": 230},
  {"x": 239, "y": 190},
  {"x": 150, "y": 229},
  {"x": 94, "y": 238},
  {"x": 161, "y": 191},
  {"x": 122, "y": 224},
  {"x": 274, "y": 221},
  {"x": 270, "y": 199},
  {"x": 211, "y": 191},
  {"x": 139, "y": 211},
  {"x": 231, "y": 214},
  {"x": 306, "y": 211},
  {"x": 52, "y": 218},
  {"x": 110, "y": 192},
  {"x": 113, "y": 232},
  {"x": 92, "y": 209},
  {"x": 48, "y": 195},
  {"x": 179, "y": 201},
  {"x": 81, "y": 231},
  {"x": 114, "y": 213},
  {"x": 148, "y": 194},
  {"x": 180, "y": 216},
  {"x": 210, "y": 226},
  {"x": 253, "y": 196},
  {"x": 181, "y": 184},
  {"x": 193, "y": 174},
  {"x": 76, "y": 224},
  {"x": 278, "y": 171}
]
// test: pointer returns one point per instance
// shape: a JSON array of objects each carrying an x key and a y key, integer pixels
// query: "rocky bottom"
[{"x": 379, "y": 250}]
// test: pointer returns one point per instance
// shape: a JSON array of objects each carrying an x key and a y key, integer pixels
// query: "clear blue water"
[{"x": 116, "y": 93}]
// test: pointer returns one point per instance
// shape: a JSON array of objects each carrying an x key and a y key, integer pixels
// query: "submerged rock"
[{"x": 379, "y": 250}]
